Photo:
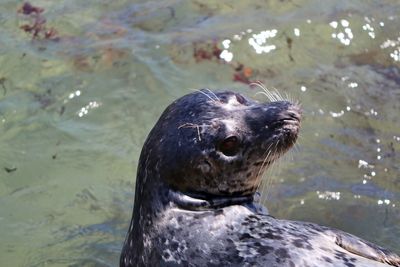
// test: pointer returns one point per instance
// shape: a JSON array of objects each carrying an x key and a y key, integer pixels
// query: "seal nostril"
[{"x": 294, "y": 115}]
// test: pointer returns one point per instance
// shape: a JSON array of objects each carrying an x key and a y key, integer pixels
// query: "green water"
[{"x": 75, "y": 110}]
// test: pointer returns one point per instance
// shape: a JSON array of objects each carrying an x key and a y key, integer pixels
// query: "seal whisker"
[
  {"x": 269, "y": 97},
  {"x": 266, "y": 92},
  {"x": 299, "y": 140},
  {"x": 268, "y": 151},
  {"x": 291, "y": 99},
  {"x": 274, "y": 95},
  {"x": 267, "y": 177},
  {"x": 274, "y": 92},
  {"x": 261, "y": 171},
  {"x": 213, "y": 94},
  {"x": 282, "y": 158},
  {"x": 273, "y": 171},
  {"x": 278, "y": 95},
  {"x": 258, "y": 84},
  {"x": 288, "y": 97},
  {"x": 200, "y": 91},
  {"x": 295, "y": 146},
  {"x": 268, "y": 181}
]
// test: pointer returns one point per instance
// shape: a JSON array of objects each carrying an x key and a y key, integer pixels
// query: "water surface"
[{"x": 77, "y": 104}]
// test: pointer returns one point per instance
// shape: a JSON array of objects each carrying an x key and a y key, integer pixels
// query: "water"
[{"x": 75, "y": 109}]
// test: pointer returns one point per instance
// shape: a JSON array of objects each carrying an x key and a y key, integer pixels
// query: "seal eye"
[{"x": 229, "y": 146}]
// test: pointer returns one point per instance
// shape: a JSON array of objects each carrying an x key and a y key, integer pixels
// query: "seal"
[{"x": 196, "y": 191}]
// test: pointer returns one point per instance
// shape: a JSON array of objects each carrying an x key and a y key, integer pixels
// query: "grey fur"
[{"x": 196, "y": 186}]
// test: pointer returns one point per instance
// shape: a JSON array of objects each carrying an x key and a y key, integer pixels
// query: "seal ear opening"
[{"x": 229, "y": 146}]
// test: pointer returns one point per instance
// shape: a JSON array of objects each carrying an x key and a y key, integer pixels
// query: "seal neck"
[{"x": 187, "y": 202}]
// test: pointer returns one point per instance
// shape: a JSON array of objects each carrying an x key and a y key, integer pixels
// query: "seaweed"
[
  {"x": 211, "y": 52},
  {"x": 243, "y": 74},
  {"x": 37, "y": 23},
  {"x": 206, "y": 51}
]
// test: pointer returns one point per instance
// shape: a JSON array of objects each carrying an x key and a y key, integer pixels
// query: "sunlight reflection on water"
[{"x": 76, "y": 106}]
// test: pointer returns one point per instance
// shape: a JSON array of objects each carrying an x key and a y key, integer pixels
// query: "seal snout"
[
  {"x": 295, "y": 112},
  {"x": 292, "y": 114},
  {"x": 284, "y": 125},
  {"x": 291, "y": 118},
  {"x": 285, "y": 113}
]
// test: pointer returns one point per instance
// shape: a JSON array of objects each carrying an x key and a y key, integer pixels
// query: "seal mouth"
[{"x": 292, "y": 115}]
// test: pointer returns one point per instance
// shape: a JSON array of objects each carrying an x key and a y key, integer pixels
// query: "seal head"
[{"x": 219, "y": 144}]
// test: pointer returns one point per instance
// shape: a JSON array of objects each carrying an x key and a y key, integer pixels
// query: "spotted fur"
[{"x": 196, "y": 186}]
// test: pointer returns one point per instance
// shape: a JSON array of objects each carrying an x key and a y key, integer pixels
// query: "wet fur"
[{"x": 197, "y": 207}]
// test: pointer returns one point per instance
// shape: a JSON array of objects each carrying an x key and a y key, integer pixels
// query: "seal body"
[{"x": 195, "y": 199}]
